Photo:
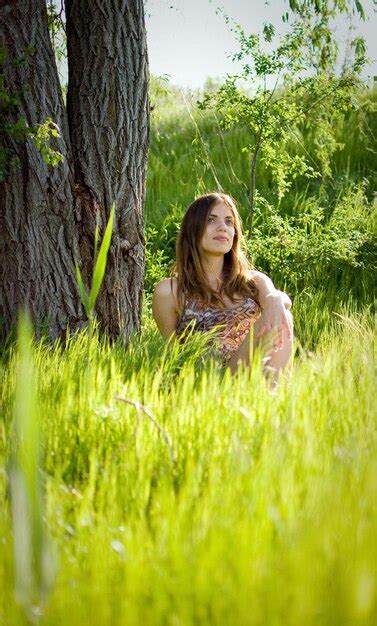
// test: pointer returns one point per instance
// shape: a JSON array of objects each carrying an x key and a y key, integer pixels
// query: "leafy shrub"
[
  {"x": 160, "y": 248},
  {"x": 306, "y": 249}
]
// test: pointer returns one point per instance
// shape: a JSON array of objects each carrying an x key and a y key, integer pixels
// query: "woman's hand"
[{"x": 276, "y": 318}]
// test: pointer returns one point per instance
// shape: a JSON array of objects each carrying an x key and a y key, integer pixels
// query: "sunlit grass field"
[
  {"x": 175, "y": 494},
  {"x": 205, "y": 498}
]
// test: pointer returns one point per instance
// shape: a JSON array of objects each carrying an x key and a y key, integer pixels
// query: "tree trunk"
[
  {"x": 37, "y": 224},
  {"x": 48, "y": 214},
  {"x": 108, "y": 113}
]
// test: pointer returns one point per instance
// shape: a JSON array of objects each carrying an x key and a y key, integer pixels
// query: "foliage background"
[{"x": 173, "y": 493}]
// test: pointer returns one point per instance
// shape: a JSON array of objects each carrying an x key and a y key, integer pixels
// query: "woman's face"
[{"x": 219, "y": 231}]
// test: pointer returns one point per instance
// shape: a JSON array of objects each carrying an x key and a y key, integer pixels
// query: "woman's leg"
[
  {"x": 241, "y": 355},
  {"x": 274, "y": 361}
]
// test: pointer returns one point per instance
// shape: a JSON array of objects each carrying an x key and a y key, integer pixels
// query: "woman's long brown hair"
[{"x": 189, "y": 269}]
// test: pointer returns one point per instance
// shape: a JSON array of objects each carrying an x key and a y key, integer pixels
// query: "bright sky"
[{"x": 189, "y": 42}]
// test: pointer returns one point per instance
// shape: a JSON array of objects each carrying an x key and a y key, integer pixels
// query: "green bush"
[{"x": 306, "y": 250}]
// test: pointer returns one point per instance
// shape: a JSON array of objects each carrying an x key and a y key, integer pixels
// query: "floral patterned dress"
[{"x": 232, "y": 325}]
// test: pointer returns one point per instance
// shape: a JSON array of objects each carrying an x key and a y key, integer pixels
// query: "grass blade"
[
  {"x": 34, "y": 569},
  {"x": 100, "y": 264},
  {"x": 84, "y": 296}
]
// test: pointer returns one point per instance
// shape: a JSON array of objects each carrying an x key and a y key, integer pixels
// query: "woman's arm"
[
  {"x": 165, "y": 307},
  {"x": 274, "y": 304},
  {"x": 267, "y": 288}
]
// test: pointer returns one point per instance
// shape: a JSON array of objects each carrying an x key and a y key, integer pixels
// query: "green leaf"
[
  {"x": 360, "y": 9},
  {"x": 100, "y": 264},
  {"x": 268, "y": 31},
  {"x": 84, "y": 296},
  {"x": 96, "y": 239}
]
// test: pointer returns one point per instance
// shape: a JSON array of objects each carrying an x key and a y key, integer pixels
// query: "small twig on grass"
[{"x": 140, "y": 407}]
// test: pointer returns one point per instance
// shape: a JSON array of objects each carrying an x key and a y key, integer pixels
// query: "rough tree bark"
[
  {"x": 108, "y": 115},
  {"x": 37, "y": 223},
  {"x": 48, "y": 215}
]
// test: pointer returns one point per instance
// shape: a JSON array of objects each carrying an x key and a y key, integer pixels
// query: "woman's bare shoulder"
[
  {"x": 166, "y": 287},
  {"x": 165, "y": 306},
  {"x": 253, "y": 274},
  {"x": 166, "y": 293}
]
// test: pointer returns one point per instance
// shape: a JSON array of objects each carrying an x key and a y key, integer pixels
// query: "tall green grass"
[{"x": 265, "y": 513}]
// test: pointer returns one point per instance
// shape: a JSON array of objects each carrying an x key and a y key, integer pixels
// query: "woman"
[{"x": 215, "y": 288}]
